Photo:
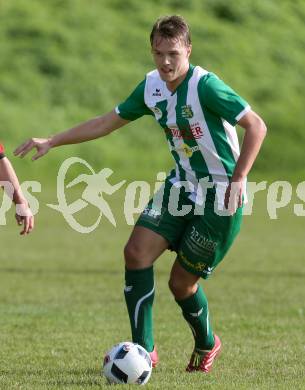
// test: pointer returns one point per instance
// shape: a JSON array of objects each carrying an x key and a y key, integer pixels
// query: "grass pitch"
[{"x": 62, "y": 307}]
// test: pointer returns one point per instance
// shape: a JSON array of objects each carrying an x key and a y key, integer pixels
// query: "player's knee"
[
  {"x": 134, "y": 256},
  {"x": 175, "y": 286},
  {"x": 130, "y": 252},
  {"x": 179, "y": 289}
]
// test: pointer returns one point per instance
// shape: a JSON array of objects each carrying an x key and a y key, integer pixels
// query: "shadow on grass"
[
  {"x": 268, "y": 275},
  {"x": 261, "y": 274},
  {"x": 60, "y": 377},
  {"x": 60, "y": 271}
]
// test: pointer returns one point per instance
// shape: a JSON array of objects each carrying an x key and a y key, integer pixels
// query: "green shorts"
[{"x": 201, "y": 241}]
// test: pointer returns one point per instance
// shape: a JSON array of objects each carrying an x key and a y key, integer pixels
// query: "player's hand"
[
  {"x": 42, "y": 145},
  {"x": 24, "y": 217},
  {"x": 234, "y": 196}
]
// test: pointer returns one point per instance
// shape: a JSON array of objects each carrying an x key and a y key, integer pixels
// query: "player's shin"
[
  {"x": 139, "y": 296},
  {"x": 196, "y": 313}
]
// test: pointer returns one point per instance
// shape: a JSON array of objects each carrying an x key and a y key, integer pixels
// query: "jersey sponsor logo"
[
  {"x": 186, "y": 111},
  {"x": 200, "y": 266},
  {"x": 186, "y": 150},
  {"x": 156, "y": 110},
  {"x": 185, "y": 260},
  {"x": 198, "y": 240},
  {"x": 151, "y": 212},
  {"x": 152, "y": 215},
  {"x": 196, "y": 130},
  {"x": 157, "y": 92},
  {"x": 193, "y": 132}
]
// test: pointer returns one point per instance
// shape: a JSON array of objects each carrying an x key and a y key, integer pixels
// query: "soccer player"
[
  {"x": 198, "y": 112},
  {"x": 8, "y": 176}
]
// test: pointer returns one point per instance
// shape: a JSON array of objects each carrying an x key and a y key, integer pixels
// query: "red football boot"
[{"x": 203, "y": 360}]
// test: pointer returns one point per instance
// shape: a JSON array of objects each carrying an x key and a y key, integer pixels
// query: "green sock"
[
  {"x": 196, "y": 313},
  {"x": 139, "y": 296}
]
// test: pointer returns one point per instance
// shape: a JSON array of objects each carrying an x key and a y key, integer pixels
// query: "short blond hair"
[{"x": 171, "y": 27}]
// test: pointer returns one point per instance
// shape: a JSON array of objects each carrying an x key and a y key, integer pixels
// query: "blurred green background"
[{"x": 65, "y": 61}]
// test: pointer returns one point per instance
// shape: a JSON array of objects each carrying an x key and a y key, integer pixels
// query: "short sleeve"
[
  {"x": 134, "y": 106},
  {"x": 221, "y": 99},
  {"x": 2, "y": 151}
]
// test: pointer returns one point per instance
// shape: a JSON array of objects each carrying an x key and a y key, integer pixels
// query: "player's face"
[{"x": 171, "y": 57}]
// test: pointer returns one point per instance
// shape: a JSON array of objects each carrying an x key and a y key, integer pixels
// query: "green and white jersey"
[{"x": 198, "y": 121}]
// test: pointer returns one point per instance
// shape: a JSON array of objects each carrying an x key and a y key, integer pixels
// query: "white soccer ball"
[{"x": 126, "y": 363}]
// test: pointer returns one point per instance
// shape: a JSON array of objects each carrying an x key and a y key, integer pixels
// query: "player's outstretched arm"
[
  {"x": 92, "y": 129},
  {"x": 23, "y": 214}
]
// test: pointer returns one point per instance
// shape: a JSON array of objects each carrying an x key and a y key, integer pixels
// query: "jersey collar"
[{"x": 184, "y": 81}]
